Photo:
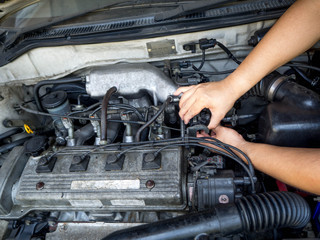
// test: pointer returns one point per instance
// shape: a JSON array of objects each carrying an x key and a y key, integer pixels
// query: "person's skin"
[
  {"x": 295, "y": 32},
  {"x": 298, "y": 167}
]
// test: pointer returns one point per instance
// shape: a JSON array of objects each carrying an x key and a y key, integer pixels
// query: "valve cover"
[{"x": 135, "y": 181}]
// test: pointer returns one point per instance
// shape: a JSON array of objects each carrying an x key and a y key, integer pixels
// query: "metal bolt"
[
  {"x": 40, "y": 185},
  {"x": 149, "y": 49},
  {"x": 150, "y": 184},
  {"x": 7, "y": 123},
  {"x": 64, "y": 227},
  {"x": 173, "y": 47},
  {"x": 223, "y": 199}
]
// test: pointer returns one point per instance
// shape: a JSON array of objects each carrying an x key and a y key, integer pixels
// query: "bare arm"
[
  {"x": 295, "y": 32},
  {"x": 298, "y": 167}
]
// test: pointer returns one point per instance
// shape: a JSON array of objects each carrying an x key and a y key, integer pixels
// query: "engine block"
[{"x": 134, "y": 182}]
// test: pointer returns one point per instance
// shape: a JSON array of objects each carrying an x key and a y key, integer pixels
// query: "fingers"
[
  {"x": 186, "y": 108},
  {"x": 213, "y": 134},
  {"x": 202, "y": 134},
  {"x": 188, "y": 104},
  {"x": 191, "y": 112},
  {"x": 182, "y": 90},
  {"x": 214, "y": 121}
]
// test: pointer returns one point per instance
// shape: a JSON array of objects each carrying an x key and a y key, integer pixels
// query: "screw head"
[
  {"x": 223, "y": 199},
  {"x": 150, "y": 184},
  {"x": 40, "y": 185}
]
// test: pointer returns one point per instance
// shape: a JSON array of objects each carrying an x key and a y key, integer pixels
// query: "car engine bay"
[{"x": 103, "y": 151}]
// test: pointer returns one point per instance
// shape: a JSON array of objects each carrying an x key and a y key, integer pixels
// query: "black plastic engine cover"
[{"x": 286, "y": 125}]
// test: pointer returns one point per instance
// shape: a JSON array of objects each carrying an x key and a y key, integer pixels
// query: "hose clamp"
[{"x": 275, "y": 86}]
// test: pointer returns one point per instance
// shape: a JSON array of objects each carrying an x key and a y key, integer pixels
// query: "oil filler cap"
[
  {"x": 54, "y": 99},
  {"x": 36, "y": 145}
]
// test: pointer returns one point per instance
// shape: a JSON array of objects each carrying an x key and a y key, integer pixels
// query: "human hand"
[
  {"x": 226, "y": 135},
  {"x": 218, "y": 97}
]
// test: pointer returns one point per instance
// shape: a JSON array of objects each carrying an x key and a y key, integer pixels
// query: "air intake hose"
[
  {"x": 253, "y": 213},
  {"x": 279, "y": 88}
]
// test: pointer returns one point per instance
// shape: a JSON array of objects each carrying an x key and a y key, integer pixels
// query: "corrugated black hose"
[{"x": 259, "y": 212}]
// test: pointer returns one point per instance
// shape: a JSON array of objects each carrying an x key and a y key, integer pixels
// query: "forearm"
[
  {"x": 298, "y": 167},
  {"x": 295, "y": 32}
]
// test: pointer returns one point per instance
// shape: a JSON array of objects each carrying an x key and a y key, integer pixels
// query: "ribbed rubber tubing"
[{"x": 273, "y": 210}]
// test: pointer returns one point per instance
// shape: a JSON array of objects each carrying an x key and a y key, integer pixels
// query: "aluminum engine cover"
[{"x": 98, "y": 189}]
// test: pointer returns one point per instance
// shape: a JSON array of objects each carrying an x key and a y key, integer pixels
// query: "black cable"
[
  {"x": 209, "y": 73},
  {"x": 176, "y": 77},
  {"x": 95, "y": 111},
  {"x": 217, "y": 143},
  {"x": 297, "y": 70},
  {"x": 129, "y": 107},
  {"x": 55, "y": 115},
  {"x": 181, "y": 142},
  {"x": 228, "y": 52},
  {"x": 202, "y": 61},
  {"x": 78, "y": 118},
  {"x": 200, "y": 165},
  {"x": 132, "y": 147},
  {"x": 225, "y": 147},
  {"x": 137, "y": 138},
  {"x": 236, "y": 159},
  {"x": 232, "y": 70},
  {"x": 234, "y": 148},
  {"x": 85, "y": 110},
  {"x": 302, "y": 66}
]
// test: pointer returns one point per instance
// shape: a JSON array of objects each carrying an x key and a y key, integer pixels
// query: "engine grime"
[{"x": 98, "y": 189}]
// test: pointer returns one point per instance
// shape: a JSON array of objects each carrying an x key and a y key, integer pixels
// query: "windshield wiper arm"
[{"x": 188, "y": 8}]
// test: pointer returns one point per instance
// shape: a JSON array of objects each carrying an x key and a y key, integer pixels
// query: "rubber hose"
[
  {"x": 51, "y": 82},
  {"x": 273, "y": 210},
  {"x": 83, "y": 134},
  {"x": 10, "y": 133},
  {"x": 259, "y": 212},
  {"x": 9, "y": 146},
  {"x": 137, "y": 138},
  {"x": 104, "y": 112}
]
